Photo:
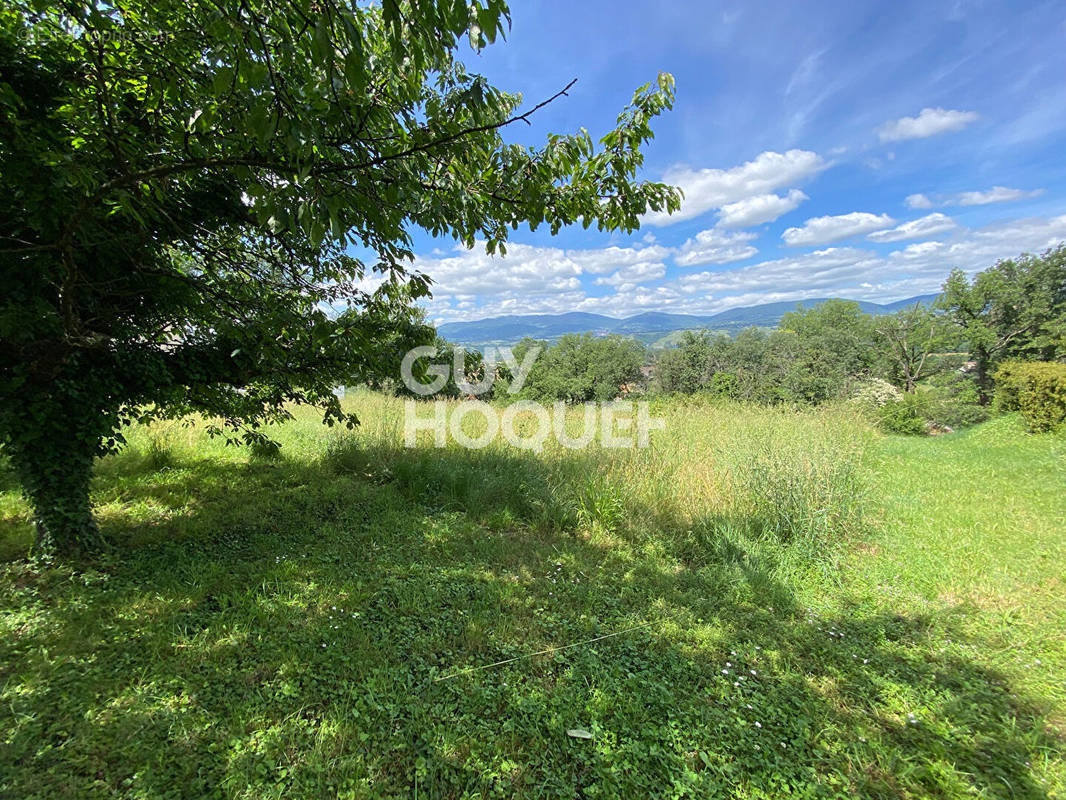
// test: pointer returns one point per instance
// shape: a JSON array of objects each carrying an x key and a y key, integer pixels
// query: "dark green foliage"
[
  {"x": 683, "y": 369},
  {"x": 908, "y": 341},
  {"x": 835, "y": 346},
  {"x": 906, "y": 415},
  {"x": 180, "y": 183},
  {"x": 954, "y": 399},
  {"x": 1037, "y": 390},
  {"x": 815, "y": 356},
  {"x": 1013, "y": 310},
  {"x": 579, "y": 368}
]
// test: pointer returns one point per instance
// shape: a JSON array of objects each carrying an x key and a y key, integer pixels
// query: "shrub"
[
  {"x": 954, "y": 401},
  {"x": 1007, "y": 380},
  {"x": 724, "y": 384},
  {"x": 1037, "y": 389},
  {"x": 906, "y": 415},
  {"x": 872, "y": 394}
]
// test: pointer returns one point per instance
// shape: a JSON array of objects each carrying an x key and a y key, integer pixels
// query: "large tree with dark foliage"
[
  {"x": 1015, "y": 309},
  {"x": 180, "y": 184}
]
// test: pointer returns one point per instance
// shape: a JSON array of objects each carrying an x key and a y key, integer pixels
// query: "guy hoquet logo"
[{"x": 619, "y": 423}]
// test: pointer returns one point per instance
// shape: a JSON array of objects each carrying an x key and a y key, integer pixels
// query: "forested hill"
[{"x": 648, "y": 326}]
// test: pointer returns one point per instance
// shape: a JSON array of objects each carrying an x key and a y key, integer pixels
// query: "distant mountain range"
[{"x": 648, "y": 327}]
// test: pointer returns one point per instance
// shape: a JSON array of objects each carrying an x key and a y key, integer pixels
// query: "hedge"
[{"x": 1037, "y": 389}]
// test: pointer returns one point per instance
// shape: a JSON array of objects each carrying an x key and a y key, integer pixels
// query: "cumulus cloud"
[
  {"x": 859, "y": 273},
  {"x": 929, "y": 122},
  {"x": 758, "y": 209},
  {"x": 531, "y": 269},
  {"x": 629, "y": 276},
  {"x": 929, "y": 225},
  {"x": 715, "y": 246},
  {"x": 606, "y": 259},
  {"x": 918, "y": 201},
  {"x": 470, "y": 285},
  {"x": 822, "y": 230},
  {"x": 706, "y": 189},
  {"x": 813, "y": 271}
]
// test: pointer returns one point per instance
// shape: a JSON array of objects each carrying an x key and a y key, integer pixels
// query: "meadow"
[{"x": 765, "y": 602}]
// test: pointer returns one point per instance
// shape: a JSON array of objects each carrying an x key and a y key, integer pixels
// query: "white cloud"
[
  {"x": 715, "y": 246},
  {"x": 532, "y": 279},
  {"x": 706, "y": 189},
  {"x": 929, "y": 225},
  {"x": 997, "y": 194},
  {"x": 813, "y": 271},
  {"x": 528, "y": 268},
  {"x": 929, "y": 122},
  {"x": 758, "y": 209},
  {"x": 822, "y": 230},
  {"x": 607, "y": 258},
  {"x": 859, "y": 273},
  {"x": 629, "y": 276}
]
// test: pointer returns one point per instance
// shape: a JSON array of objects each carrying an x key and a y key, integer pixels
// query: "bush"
[
  {"x": 1036, "y": 389},
  {"x": 906, "y": 415},
  {"x": 954, "y": 401},
  {"x": 872, "y": 394}
]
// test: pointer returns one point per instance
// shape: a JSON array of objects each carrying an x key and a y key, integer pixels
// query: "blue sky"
[{"x": 826, "y": 148}]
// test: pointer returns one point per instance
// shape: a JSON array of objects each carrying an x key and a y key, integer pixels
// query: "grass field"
[{"x": 793, "y": 605}]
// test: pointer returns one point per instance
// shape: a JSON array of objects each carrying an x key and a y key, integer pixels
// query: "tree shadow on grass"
[{"x": 290, "y": 629}]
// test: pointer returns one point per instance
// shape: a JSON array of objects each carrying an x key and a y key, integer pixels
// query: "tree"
[
  {"x": 836, "y": 345},
  {"x": 582, "y": 367},
  {"x": 683, "y": 369},
  {"x": 182, "y": 180},
  {"x": 1015, "y": 309},
  {"x": 386, "y": 337},
  {"x": 910, "y": 336}
]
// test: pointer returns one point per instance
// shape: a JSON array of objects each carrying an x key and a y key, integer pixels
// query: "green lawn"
[{"x": 816, "y": 611}]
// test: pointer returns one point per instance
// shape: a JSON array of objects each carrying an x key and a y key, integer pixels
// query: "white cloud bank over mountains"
[
  {"x": 623, "y": 280},
  {"x": 471, "y": 284}
]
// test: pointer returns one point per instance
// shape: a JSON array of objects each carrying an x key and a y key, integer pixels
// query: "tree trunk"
[
  {"x": 56, "y": 479},
  {"x": 984, "y": 378}
]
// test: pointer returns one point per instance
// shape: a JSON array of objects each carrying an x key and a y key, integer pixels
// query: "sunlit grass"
[{"x": 822, "y": 610}]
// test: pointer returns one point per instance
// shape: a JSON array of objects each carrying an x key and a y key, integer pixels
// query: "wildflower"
[
  {"x": 757, "y": 724},
  {"x": 753, "y": 672},
  {"x": 725, "y": 672}
]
